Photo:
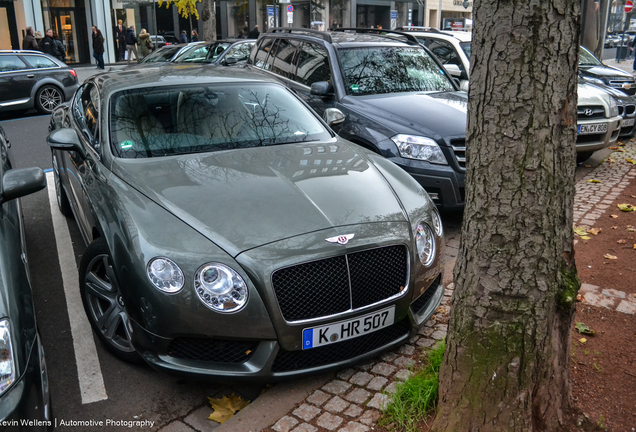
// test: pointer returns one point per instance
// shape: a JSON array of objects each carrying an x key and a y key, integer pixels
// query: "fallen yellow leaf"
[
  {"x": 631, "y": 161},
  {"x": 614, "y": 216},
  {"x": 610, "y": 160},
  {"x": 634, "y": 248},
  {"x": 585, "y": 238},
  {"x": 226, "y": 407},
  {"x": 583, "y": 340},
  {"x": 248, "y": 352},
  {"x": 613, "y": 148},
  {"x": 621, "y": 241},
  {"x": 587, "y": 166},
  {"x": 621, "y": 150},
  {"x": 594, "y": 181},
  {"x": 610, "y": 257},
  {"x": 595, "y": 231},
  {"x": 580, "y": 231},
  {"x": 625, "y": 207},
  {"x": 614, "y": 227}
]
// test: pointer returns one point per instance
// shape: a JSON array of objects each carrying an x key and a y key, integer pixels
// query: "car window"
[
  {"x": 586, "y": 58},
  {"x": 465, "y": 46},
  {"x": 377, "y": 70},
  {"x": 445, "y": 52},
  {"x": 283, "y": 57},
  {"x": 260, "y": 60},
  {"x": 196, "y": 55},
  {"x": 86, "y": 112},
  {"x": 10, "y": 63},
  {"x": 240, "y": 52},
  {"x": 166, "y": 120},
  {"x": 161, "y": 55},
  {"x": 38, "y": 61},
  {"x": 313, "y": 65}
]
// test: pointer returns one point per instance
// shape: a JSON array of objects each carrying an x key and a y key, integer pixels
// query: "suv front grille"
[
  {"x": 212, "y": 350},
  {"x": 297, "y": 360},
  {"x": 339, "y": 284},
  {"x": 629, "y": 110},
  {"x": 459, "y": 149},
  {"x": 590, "y": 112}
]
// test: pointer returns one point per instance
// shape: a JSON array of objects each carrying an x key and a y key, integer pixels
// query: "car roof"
[
  {"x": 462, "y": 36},
  {"x": 168, "y": 75},
  {"x": 32, "y": 52},
  {"x": 346, "y": 37}
]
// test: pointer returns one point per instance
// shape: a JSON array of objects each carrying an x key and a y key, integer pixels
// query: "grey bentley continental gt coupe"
[{"x": 231, "y": 233}]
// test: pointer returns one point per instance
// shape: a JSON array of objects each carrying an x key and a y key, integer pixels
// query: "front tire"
[
  {"x": 62, "y": 199},
  {"x": 47, "y": 98},
  {"x": 104, "y": 303}
]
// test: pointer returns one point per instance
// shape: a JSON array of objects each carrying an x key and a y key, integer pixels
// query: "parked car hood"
[
  {"x": 604, "y": 71},
  {"x": 245, "y": 198},
  {"x": 442, "y": 113}
]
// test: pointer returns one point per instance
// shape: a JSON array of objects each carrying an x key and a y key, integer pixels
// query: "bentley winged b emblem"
[{"x": 341, "y": 239}]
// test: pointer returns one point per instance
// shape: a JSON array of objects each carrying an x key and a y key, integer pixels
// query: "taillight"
[{"x": 72, "y": 71}]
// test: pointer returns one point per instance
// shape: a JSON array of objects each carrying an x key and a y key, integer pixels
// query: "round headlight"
[
  {"x": 165, "y": 275},
  {"x": 436, "y": 220},
  {"x": 425, "y": 242},
  {"x": 220, "y": 288}
]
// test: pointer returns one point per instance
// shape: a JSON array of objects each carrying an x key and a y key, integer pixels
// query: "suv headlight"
[
  {"x": 425, "y": 243},
  {"x": 613, "y": 107},
  {"x": 594, "y": 80},
  {"x": 7, "y": 360},
  {"x": 165, "y": 275},
  {"x": 420, "y": 148},
  {"x": 220, "y": 288}
]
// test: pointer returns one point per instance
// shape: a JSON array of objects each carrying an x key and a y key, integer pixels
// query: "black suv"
[
  {"x": 381, "y": 90},
  {"x": 592, "y": 70}
]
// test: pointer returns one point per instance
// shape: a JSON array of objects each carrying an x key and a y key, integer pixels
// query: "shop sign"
[{"x": 464, "y": 3}]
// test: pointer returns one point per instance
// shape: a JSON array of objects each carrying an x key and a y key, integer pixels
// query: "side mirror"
[
  {"x": 453, "y": 70},
  {"x": 230, "y": 61},
  {"x": 17, "y": 183},
  {"x": 322, "y": 88},
  {"x": 333, "y": 116},
  {"x": 66, "y": 139}
]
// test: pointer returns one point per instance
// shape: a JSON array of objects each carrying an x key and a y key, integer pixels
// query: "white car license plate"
[
  {"x": 341, "y": 331},
  {"x": 628, "y": 123},
  {"x": 595, "y": 128}
]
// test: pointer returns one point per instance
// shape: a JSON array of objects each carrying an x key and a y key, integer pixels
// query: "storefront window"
[
  {"x": 68, "y": 19},
  {"x": 340, "y": 13},
  {"x": 238, "y": 18}
]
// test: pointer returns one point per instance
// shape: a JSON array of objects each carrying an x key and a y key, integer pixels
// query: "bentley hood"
[{"x": 245, "y": 198}]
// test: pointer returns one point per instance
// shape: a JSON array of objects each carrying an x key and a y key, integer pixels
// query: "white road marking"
[{"x": 89, "y": 373}]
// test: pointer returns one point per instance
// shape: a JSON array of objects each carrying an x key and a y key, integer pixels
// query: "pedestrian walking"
[
  {"x": 131, "y": 44},
  {"x": 59, "y": 50},
  {"x": 47, "y": 46},
  {"x": 195, "y": 36},
  {"x": 98, "y": 47},
  {"x": 145, "y": 44},
  {"x": 254, "y": 33},
  {"x": 183, "y": 38},
  {"x": 29, "y": 42},
  {"x": 120, "y": 36}
]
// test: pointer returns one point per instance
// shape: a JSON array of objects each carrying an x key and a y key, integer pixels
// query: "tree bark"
[
  {"x": 507, "y": 357},
  {"x": 208, "y": 21}
]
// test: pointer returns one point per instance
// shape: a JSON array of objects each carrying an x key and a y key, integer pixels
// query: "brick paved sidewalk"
[{"x": 352, "y": 402}]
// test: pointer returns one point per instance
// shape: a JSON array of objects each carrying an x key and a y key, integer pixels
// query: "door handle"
[{"x": 31, "y": 76}]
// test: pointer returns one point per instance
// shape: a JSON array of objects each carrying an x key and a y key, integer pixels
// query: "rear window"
[
  {"x": 378, "y": 70},
  {"x": 161, "y": 121},
  {"x": 38, "y": 61},
  {"x": 10, "y": 63}
]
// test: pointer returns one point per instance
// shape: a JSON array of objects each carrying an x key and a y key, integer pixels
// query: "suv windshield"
[
  {"x": 377, "y": 70},
  {"x": 587, "y": 59},
  {"x": 160, "y": 121}
]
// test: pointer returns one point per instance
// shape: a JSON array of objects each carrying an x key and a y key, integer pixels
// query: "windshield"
[
  {"x": 167, "y": 120},
  {"x": 466, "y": 48},
  {"x": 377, "y": 70},
  {"x": 202, "y": 53},
  {"x": 161, "y": 55},
  {"x": 587, "y": 59}
]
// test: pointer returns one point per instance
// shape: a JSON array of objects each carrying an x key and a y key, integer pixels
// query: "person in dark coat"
[
  {"x": 98, "y": 47},
  {"x": 47, "y": 45},
  {"x": 120, "y": 36},
  {"x": 58, "y": 50},
  {"x": 131, "y": 44},
  {"x": 195, "y": 36},
  {"x": 254, "y": 33},
  {"x": 29, "y": 42},
  {"x": 183, "y": 38}
]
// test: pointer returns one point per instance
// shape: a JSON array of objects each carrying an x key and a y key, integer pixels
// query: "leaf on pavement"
[
  {"x": 595, "y": 231},
  {"x": 614, "y": 216},
  {"x": 631, "y": 161},
  {"x": 584, "y": 329},
  {"x": 613, "y": 148},
  {"x": 583, "y": 340},
  {"x": 610, "y": 160},
  {"x": 614, "y": 227},
  {"x": 610, "y": 257},
  {"x": 594, "y": 181},
  {"x": 621, "y": 241},
  {"x": 625, "y": 207},
  {"x": 226, "y": 407},
  {"x": 580, "y": 231},
  {"x": 585, "y": 237}
]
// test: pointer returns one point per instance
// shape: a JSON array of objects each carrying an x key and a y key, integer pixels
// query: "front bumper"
[
  {"x": 593, "y": 142},
  {"x": 443, "y": 183}
]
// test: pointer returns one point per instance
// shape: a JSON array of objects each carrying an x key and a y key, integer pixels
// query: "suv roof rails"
[
  {"x": 321, "y": 34},
  {"x": 420, "y": 28},
  {"x": 379, "y": 32}
]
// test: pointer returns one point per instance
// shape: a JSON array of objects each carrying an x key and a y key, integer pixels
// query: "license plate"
[
  {"x": 595, "y": 128},
  {"x": 627, "y": 123},
  {"x": 344, "y": 330}
]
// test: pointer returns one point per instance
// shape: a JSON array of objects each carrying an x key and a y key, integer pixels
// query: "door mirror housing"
[
  {"x": 322, "y": 88},
  {"x": 17, "y": 183},
  {"x": 453, "y": 70},
  {"x": 66, "y": 139},
  {"x": 230, "y": 61},
  {"x": 333, "y": 116}
]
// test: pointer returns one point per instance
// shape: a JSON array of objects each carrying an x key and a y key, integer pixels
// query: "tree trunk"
[
  {"x": 208, "y": 21},
  {"x": 507, "y": 357}
]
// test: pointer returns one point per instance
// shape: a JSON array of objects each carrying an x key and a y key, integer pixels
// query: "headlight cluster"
[
  {"x": 425, "y": 242},
  {"x": 7, "y": 361},
  {"x": 218, "y": 286},
  {"x": 613, "y": 107},
  {"x": 420, "y": 148}
]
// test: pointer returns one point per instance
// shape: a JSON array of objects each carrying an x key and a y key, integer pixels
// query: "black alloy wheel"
[
  {"x": 48, "y": 98},
  {"x": 62, "y": 199},
  {"x": 103, "y": 302}
]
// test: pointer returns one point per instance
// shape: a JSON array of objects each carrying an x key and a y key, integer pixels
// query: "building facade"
[{"x": 72, "y": 19}]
